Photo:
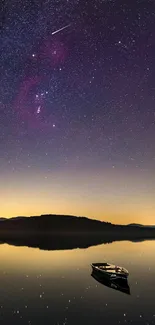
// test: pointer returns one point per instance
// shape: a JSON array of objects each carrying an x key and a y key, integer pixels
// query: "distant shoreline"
[
  {"x": 15, "y": 218},
  {"x": 67, "y": 232}
]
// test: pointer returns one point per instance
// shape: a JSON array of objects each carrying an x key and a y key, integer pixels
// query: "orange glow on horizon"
[{"x": 112, "y": 196}]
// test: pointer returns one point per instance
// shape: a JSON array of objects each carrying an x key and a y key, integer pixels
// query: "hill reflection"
[{"x": 65, "y": 242}]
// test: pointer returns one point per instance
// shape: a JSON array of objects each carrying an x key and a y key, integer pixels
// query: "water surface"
[{"x": 56, "y": 287}]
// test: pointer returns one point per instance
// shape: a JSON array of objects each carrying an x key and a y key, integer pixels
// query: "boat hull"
[{"x": 111, "y": 274}]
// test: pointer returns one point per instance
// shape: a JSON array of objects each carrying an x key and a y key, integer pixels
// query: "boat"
[
  {"x": 116, "y": 284},
  {"x": 110, "y": 271}
]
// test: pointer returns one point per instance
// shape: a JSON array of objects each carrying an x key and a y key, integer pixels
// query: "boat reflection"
[{"x": 117, "y": 284}]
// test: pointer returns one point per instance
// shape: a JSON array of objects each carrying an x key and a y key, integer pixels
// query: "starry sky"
[{"x": 77, "y": 109}]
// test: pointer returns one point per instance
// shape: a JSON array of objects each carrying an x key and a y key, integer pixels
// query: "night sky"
[{"x": 77, "y": 109}]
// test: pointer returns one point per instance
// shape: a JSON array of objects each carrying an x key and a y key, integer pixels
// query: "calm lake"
[{"x": 56, "y": 287}]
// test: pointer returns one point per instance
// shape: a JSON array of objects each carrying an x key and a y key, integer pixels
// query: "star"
[{"x": 38, "y": 109}]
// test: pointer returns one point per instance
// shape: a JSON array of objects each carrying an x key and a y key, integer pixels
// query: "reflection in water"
[
  {"x": 65, "y": 242},
  {"x": 55, "y": 287},
  {"x": 117, "y": 284}
]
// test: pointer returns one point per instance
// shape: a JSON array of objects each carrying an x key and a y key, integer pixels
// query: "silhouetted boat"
[
  {"x": 116, "y": 284},
  {"x": 110, "y": 271}
]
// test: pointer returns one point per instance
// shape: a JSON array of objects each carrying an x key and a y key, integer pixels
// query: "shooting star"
[{"x": 59, "y": 30}]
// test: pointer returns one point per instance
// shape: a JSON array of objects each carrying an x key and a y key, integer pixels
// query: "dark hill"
[
  {"x": 140, "y": 225},
  {"x": 53, "y": 223},
  {"x": 67, "y": 224}
]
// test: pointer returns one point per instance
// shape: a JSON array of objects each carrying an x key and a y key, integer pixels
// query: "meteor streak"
[{"x": 59, "y": 30}]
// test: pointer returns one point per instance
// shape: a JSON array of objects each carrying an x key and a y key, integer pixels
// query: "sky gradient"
[{"x": 77, "y": 109}]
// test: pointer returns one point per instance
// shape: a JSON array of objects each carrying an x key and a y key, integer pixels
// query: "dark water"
[{"x": 56, "y": 287}]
